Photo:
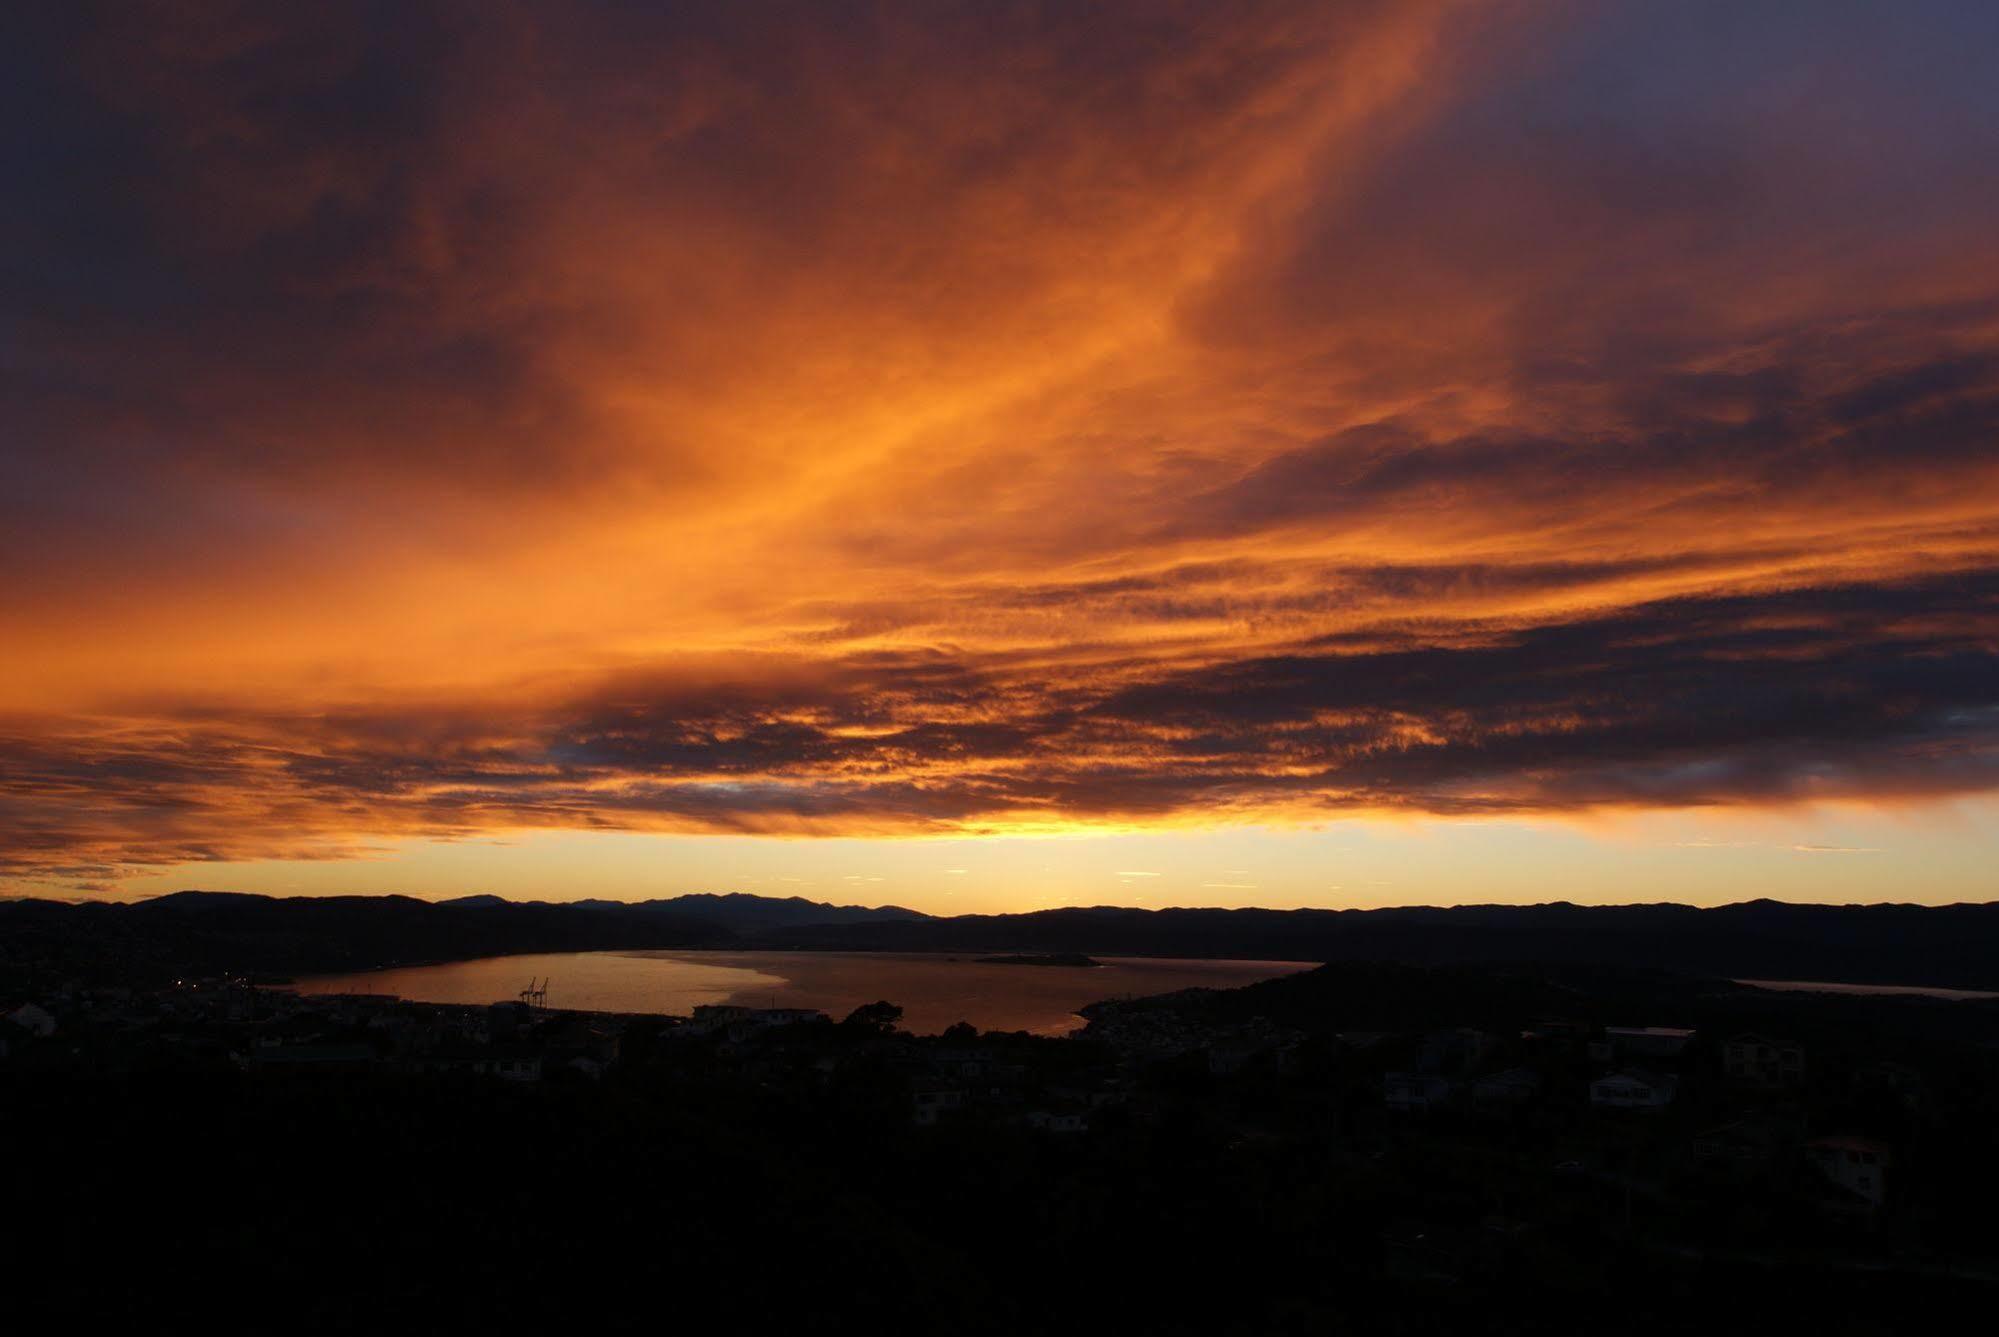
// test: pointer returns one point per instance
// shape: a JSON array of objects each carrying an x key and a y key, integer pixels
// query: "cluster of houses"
[
  {"x": 1616, "y": 1072},
  {"x": 944, "y": 1078},
  {"x": 1641, "y": 1070},
  {"x": 1636, "y": 1067},
  {"x": 213, "y": 1023},
  {"x": 218, "y": 1023},
  {"x": 1149, "y": 1034}
]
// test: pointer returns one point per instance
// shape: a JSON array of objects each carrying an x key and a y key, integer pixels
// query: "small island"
[{"x": 1039, "y": 959}]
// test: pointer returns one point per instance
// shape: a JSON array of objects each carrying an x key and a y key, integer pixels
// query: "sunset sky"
[{"x": 987, "y": 456}]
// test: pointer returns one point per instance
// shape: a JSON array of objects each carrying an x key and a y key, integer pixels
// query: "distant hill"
[
  {"x": 213, "y": 932},
  {"x": 756, "y": 914},
  {"x": 206, "y": 933},
  {"x": 1390, "y": 998},
  {"x": 735, "y": 912},
  {"x": 198, "y": 933},
  {"x": 1948, "y": 946}
]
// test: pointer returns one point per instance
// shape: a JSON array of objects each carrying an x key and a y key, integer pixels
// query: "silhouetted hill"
[
  {"x": 213, "y": 932},
  {"x": 199, "y": 933},
  {"x": 756, "y": 914},
  {"x": 195, "y": 933},
  {"x": 737, "y": 912},
  {"x": 1393, "y": 998},
  {"x": 1951, "y": 946}
]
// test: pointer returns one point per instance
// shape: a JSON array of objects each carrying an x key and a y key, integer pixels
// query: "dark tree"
[{"x": 881, "y": 1016}]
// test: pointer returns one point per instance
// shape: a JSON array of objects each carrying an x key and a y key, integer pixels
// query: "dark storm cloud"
[{"x": 1867, "y": 690}]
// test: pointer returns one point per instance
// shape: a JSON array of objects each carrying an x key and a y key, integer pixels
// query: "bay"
[{"x": 933, "y": 989}]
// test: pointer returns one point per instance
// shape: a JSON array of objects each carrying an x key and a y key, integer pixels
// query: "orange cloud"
[{"x": 962, "y": 418}]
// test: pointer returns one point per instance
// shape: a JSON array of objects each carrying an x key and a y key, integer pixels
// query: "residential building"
[
  {"x": 1633, "y": 1089},
  {"x": 1744, "y": 1149},
  {"x": 1763, "y": 1061},
  {"x": 1501, "y": 1092},
  {"x": 34, "y": 1020},
  {"x": 1642, "y": 1042},
  {"x": 1454, "y": 1052},
  {"x": 1857, "y": 1164},
  {"x": 1054, "y": 1121},
  {"x": 1416, "y": 1092},
  {"x": 932, "y": 1103}
]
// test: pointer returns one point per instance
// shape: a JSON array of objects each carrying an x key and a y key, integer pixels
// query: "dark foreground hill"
[
  {"x": 1215, "y": 1163},
  {"x": 196, "y": 933}
]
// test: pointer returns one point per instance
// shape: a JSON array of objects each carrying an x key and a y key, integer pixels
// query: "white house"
[
  {"x": 1633, "y": 1090},
  {"x": 1759, "y": 1059},
  {"x": 933, "y": 1102},
  {"x": 1647, "y": 1041},
  {"x": 1857, "y": 1164},
  {"x": 1415, "y": 1092},
  {"x": 789, "y": 1016},
  {"x": 33, "y": 1020},
  {"x": 1049, "y": 1121},
  {"x": 1502, "y": 1091}
]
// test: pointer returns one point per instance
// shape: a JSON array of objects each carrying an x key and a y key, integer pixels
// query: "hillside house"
[
  {"x": 932, "y": 1103},
  {"x": 1644, "y": 1042},
  {"x": 1056, "y": 1121},
  {"x": 1634, "y": 1089},
  {"x": 1748, "y": 1148},
  {"x": 1456, "y": 1051},
  {"x": 1762, "y": 1061},
  {"x": 1857, "y": 1164},
  {"x": 1416, "y": 1092},
  {"x": 33, "y": 1019},
  {"x": 1502, "y": 1092}
]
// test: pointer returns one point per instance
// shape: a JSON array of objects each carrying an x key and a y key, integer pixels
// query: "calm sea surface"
[
  {"x": 933, "y": 990},
  {"x": 1820, "y": 986}
]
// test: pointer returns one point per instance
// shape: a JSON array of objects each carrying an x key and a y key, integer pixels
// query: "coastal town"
[{"x": 1510, "y": 1142}]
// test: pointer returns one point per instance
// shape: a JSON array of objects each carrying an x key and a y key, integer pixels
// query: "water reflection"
[
  {"x": 1821, "y": 986},
  {"x": 934, "y": 990}
]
